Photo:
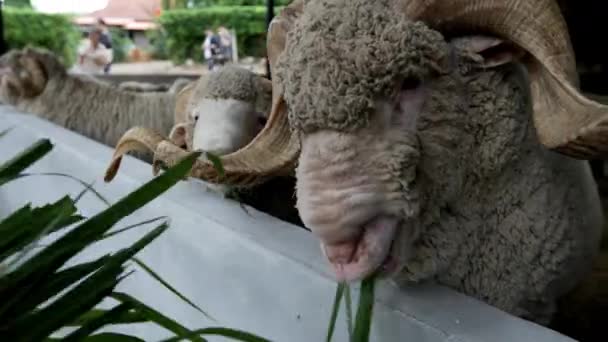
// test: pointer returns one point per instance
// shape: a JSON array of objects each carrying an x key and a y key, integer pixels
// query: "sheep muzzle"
[{"x": 371, "y": 251}]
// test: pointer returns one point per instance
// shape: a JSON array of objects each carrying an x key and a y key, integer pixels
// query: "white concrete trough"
[{"x": 250, "y": 271}]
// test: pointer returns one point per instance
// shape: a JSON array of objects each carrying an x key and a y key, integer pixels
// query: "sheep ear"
[{"x": 489, "y": 51}]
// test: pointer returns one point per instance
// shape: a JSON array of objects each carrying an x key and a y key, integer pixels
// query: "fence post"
[{"x": 235, "y": 48}]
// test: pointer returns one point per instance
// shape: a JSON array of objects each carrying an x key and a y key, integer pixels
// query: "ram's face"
[
  {"x": 358, "y": 187},
  {"x": 358, "y": 192},
  {"x": 385, "y": 128},
  {"x": 24, "y": 73}
]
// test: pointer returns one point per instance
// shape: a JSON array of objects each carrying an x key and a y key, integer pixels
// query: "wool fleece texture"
[
  {"x": 492, "y": 213},
  {"x": 94, "y": 109}
]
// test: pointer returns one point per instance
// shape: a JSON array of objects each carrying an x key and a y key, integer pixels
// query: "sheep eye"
[
  {"x": 410, "y": 83},
  {"x": 196, "y": 118}
]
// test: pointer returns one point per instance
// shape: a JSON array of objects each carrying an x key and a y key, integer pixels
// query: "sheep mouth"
[{"x": 372, "y": 251}]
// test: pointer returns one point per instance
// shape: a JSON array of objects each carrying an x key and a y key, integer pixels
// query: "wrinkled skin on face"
[{"x": 357, "y": 191}]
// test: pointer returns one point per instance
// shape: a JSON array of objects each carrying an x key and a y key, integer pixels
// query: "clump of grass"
[
  {"x": 363, "y": 319},
  {"x": 41, "y": 295}
]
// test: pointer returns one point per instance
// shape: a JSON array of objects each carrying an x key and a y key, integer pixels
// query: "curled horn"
[
  {"x": 565, "y": 120},
  {"x": 135, "y": 139}
]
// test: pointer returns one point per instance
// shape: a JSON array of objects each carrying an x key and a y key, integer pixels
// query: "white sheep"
[
  {"x": 425, "y": 136},
  {"x": 35, "y": 81}
]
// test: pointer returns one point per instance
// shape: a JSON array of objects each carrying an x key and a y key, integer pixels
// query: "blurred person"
[
  {"x": 92, "y": 55},
  {"x": 211, "y": 48},
  {"x": 226, "y": 43},
  {"x": 106, "y": 40}
]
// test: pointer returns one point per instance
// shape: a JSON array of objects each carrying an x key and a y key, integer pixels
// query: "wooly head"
[
  {"x": 389, "y": 125},
  {"x": 25, "y": 73},
  {"x": 220, "y": 113}
]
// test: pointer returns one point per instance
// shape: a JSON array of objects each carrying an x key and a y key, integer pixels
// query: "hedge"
[
  {"x": 184, "y": 29},
  {"x": 23, "y": 26},
  {"x": 17, "y": 3}
]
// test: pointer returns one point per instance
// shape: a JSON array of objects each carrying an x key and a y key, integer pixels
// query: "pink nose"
[{"x": 341, "y": 253}]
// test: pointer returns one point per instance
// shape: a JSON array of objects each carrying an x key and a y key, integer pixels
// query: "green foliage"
[
  {"x": 185, "y": 29},
  {"x": 121, "y": 44},
  {"x": 42, "y": 295},
  {"x": 158, "y": 42},
  {"x": 17, "y": 3},
  {"x": 363, "y": 321},
  {"x": 173, "y": 4},
  {"x": 24, "y": 26}
]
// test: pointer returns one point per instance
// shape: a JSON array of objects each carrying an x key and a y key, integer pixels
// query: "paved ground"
[{"x": 166, "y": 67}]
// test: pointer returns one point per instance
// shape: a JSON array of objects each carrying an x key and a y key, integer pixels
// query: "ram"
[
  {"x": 35, "y": 81},
  {"x": 433, "y": 141},
  {"x": 220, "y": 114}
]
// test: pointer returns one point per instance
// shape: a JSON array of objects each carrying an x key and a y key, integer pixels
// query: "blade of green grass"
[
  {"x": 57, "y": 222},
  {"x": 24, "y": 159},
  {"x": 217, "y": 163},
  {"x": 349, "y": 311},
  {"x": 171, "y": 288},
  {"x": 16, "y": 218},
  {"x": 26, "y": 214},
  {"x": 90, "y": 326},
  {"x": 60, "y": 251},
  {"x": 63, "y": 214},
  {"x": 365, "y": 307},
  {"x": 125, "y": 318},
  {"x": 226, "y": 332},
  {"x": 118, "y": 231},
  {"x": 121, "y": 230},
  {"x": 18, "y": 235},
  {"x": 81, "y": 182},
  {"x": 157, "y": 317},
  {"x": 112, "y": 337},
  {"x": 16, "y": 307},
  {"x": 334, "y": 311},
  {"x": 70, "y": 309},
  {"x": 113, "y": 262},
  {"x": 42, "y": 323}
]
